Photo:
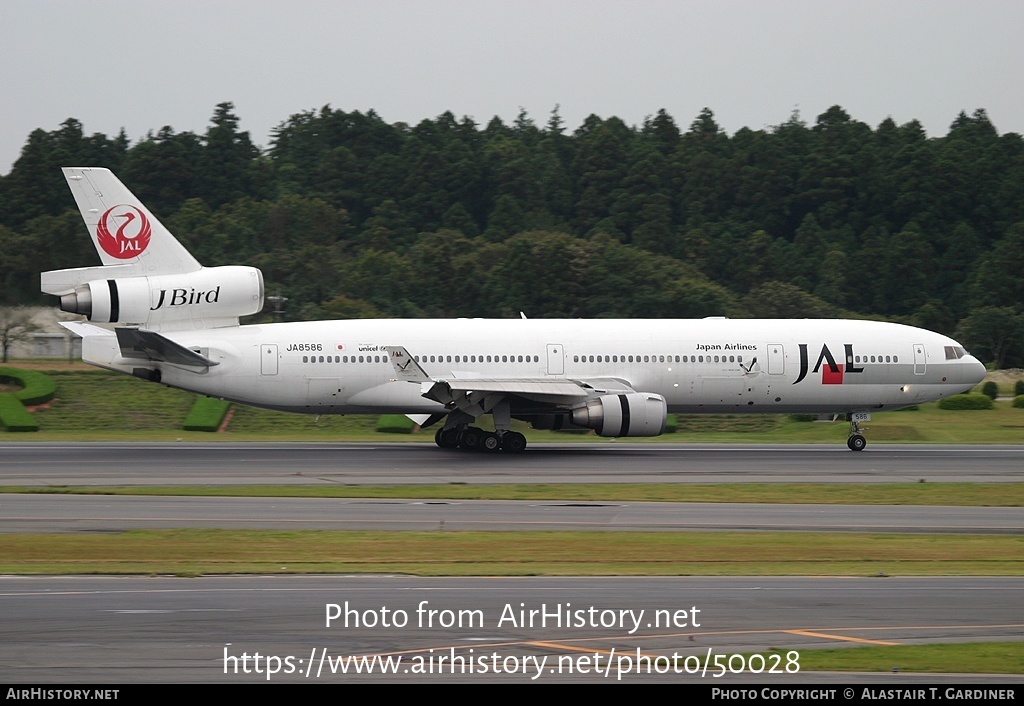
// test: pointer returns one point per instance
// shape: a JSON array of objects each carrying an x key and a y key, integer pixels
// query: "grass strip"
[
  {"x": 932, "y": 494},
  {"x": 958, "y": 658},
  {"x": 193, "y": 552}
]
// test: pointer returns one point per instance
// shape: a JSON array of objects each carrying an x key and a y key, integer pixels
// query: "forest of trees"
[{"x": 350, "y": 216}]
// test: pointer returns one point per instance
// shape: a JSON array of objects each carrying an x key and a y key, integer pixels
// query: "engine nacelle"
[
  {"x": 215, "y": 296},
  {"x": 628, "y": 414}
]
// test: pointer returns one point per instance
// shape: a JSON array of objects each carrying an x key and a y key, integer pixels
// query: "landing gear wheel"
[
  {"x": 513, "y": 442},
  {"x": 856, "y": 442},
  {"x": 471, "y": 439},
  {"x": 447, "y": 438},
  {"x": 490, "y": 442}
]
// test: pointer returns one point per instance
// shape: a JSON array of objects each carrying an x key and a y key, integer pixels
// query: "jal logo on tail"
[{"x": 131, "y": 232}]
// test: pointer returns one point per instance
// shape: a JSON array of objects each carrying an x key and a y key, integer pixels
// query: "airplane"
[{"x": 154, "y": 312}]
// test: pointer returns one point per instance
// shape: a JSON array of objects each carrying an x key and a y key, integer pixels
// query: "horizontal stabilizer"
[
  {"x": 80, "y": 328},
  {"x": 59, "y": 282},
  {"x": 141, "y": 344}
]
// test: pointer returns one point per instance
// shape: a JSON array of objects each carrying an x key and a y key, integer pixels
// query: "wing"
[{"x": 479, "y": 395}]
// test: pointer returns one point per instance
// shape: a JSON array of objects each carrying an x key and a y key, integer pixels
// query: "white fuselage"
[{"x": 698, "y": 365}]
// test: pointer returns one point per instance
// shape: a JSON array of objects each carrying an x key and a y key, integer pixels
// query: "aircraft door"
[
  {"x": 920, "y": 361},
  {"x": 268, "y": 359},
  {"x": 556, "y": 360},
  {"x": 776, "y": 359}
]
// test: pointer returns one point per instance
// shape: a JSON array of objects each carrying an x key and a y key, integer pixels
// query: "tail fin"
[
  {"x": 147, "y": 278},
  {"x": 122, "y": 228}
]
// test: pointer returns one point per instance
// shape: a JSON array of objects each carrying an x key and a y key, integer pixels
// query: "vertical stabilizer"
[{"x": 123, "y": 230}]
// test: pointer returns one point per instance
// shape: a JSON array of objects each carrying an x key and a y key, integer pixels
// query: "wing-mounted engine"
[
  {"x": 210, "y": 297},
  {"x": 626, "y": 414}
]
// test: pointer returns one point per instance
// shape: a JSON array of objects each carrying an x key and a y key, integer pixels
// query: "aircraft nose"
[{"x": 976, "y": 370}]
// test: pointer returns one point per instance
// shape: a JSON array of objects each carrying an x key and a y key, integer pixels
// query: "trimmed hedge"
[
  {"x": 990, "y": 389},
  {"x": 1018, "y": 401},
  {"x": 395, "y": 424},
  {"x": 36, "y": 387},
  {"x": 206, "y": 414},
  {"x": 967, "y": 401},
  {"x": 14, "y": 416}
]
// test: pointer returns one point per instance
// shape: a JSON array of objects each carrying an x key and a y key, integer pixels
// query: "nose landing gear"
[{"x": 857, "y": 442}]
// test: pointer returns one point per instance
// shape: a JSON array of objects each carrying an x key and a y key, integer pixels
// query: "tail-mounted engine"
[
  {"x": 209, "y": 297},
  {"x": 631, "y": 414}
]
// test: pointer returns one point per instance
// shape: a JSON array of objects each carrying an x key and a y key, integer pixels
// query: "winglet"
[{"x": 406, "y": 367}]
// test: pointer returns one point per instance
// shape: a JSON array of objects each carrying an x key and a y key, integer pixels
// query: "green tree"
[{"x": 994, "y": 334}]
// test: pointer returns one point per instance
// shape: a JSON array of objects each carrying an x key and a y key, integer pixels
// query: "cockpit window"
[{"x": 955, "y": 352}]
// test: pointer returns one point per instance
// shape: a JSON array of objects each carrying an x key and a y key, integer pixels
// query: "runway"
[
  {"x": 413, "y": 463},
  {"x": 121, "y": 630},
  {"x": 126, "y": 630}
]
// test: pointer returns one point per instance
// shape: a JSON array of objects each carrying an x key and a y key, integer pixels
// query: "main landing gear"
[{"x": 474, "y": 439}]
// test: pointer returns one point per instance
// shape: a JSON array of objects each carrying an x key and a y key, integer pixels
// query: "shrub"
[
  {"x": 14, "y": 416},
  {"x": 206, "y": 414},
  {"x": 1018, "y": 401},
  {"x": 1018, "y": 388},
  {"x": 967, "y": 401},
  {"x": 990, "y": 390},
  {"x": 395, "y": 424},
  {"x": 36, "y": 387}
]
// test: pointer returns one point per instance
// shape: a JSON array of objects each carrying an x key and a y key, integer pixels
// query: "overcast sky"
[{"x": 141, "y": 65}]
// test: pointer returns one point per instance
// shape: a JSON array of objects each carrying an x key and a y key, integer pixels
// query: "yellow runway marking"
[
  {"x": 828, "y": 636},
  {"x": 573, "y": 648}
]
